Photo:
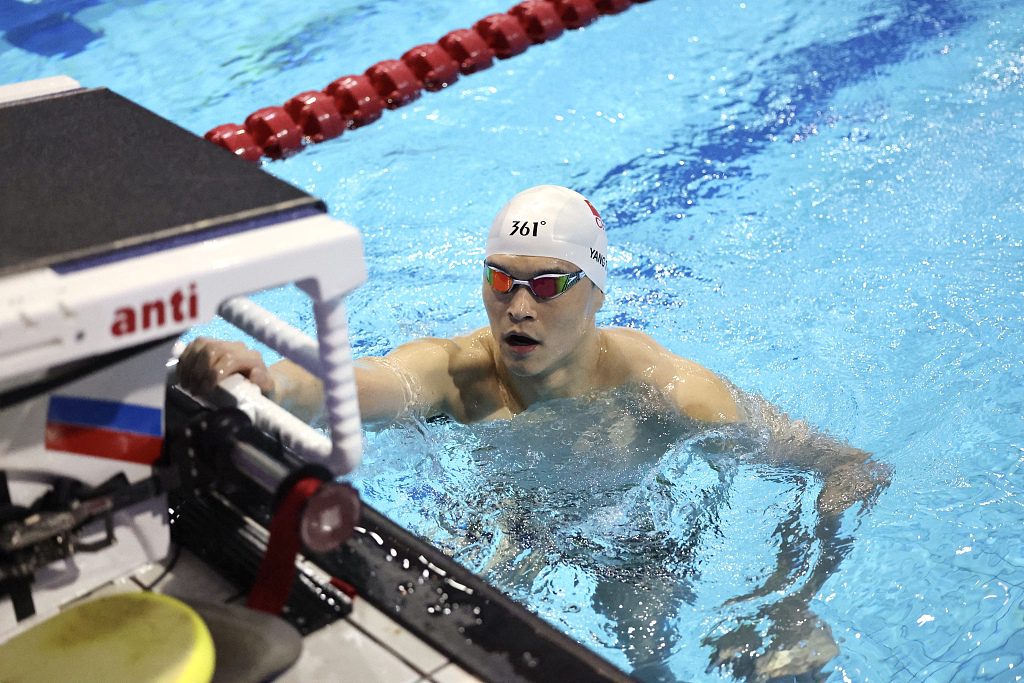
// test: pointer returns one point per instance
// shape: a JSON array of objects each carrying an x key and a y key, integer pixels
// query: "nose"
[{"x": 522, "y": 305}]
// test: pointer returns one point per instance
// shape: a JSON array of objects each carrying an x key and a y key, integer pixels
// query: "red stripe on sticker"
[{"x": 104, "y": 443}]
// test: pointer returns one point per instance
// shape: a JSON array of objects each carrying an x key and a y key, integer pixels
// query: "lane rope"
[{"x": 357, "y": 100}]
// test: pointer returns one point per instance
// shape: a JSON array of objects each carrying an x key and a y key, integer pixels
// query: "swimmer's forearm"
[
  {"x": 850, "y": 475},
  {"x": 855, "y": 480},
  {"x": 296, "y": 390},
  {"x": 383, "y": 394}
]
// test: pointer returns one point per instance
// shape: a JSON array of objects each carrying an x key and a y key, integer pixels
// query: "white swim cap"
[{"x": 549, "y": 220}]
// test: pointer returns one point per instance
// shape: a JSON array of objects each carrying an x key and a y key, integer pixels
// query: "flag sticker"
[{"x": 105, "y": 429}]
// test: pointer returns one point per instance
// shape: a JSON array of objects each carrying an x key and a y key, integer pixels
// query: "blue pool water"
[{"x": 821, "y": 201}]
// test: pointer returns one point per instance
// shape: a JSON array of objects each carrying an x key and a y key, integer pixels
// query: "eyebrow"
[{"x": 535, "y": 273}]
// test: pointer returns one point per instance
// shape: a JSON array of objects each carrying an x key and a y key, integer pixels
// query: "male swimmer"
[{"x": 543, "y": 283}]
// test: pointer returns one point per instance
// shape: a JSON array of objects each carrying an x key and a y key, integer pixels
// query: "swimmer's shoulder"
[
  {"x": 629, "y": 356},
  {"x": 475, "y": 348},
  {"x": 446, "y": 373},
  {"x": 696, "y": 390},
  {"x": 644, "y": 350},
  {"x": 441, "y": 355},
  {"x": 629, "y": 335},
  {"x": 625, "y": 343},
  {"x": 472, "y": 371}
]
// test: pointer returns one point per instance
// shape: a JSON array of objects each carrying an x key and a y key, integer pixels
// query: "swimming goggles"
[{"x": 543, "y": 287}]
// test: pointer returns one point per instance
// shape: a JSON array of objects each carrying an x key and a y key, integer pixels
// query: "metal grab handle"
[
  {"x": 295, "y": 434},
  {"x": 260, "y": 323},
  {"x": 331, "y": 360}
]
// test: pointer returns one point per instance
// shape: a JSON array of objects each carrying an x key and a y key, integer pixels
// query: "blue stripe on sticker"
[{"x": 91, "y": 412}]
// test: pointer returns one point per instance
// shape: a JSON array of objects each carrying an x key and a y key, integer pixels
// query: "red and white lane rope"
[{"x": 357, "y": 100}]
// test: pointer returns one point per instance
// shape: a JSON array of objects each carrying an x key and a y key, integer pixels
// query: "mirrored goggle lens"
[
  {"x": 548, "y": 286},
  {"x": 499, "y": 281}
]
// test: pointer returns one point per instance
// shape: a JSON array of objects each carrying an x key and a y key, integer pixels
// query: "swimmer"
[
  {"x": 543, "y": 283},
  {"x": 544, "y": 279}
]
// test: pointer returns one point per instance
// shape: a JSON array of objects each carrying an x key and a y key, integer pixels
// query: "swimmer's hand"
[
  {"x": 860, "y": 479},
  {"x": 799, "y": 644},
  {"x": 205, "y": 362}
]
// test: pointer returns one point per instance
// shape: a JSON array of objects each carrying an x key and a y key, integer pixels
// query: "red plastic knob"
[
  {"x": 434, "y": 67},
  {"x": 235, "y": 139},
  {"x": 504, "y": 34},
  {"x": 316, "y": 114},
  {"x": 356, "y": 99},
  {"x": 394, "y": 82},
  {"x": 274, "y": 131},
  {"x": 612, "y": 6},
  {"x": 539, "y": 19},
  {"x": 469, "y": 49},
  {"x": 576, "y": 13}
]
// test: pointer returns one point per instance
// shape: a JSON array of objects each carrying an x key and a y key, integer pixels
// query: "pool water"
[{"x": 820, "y": 201}]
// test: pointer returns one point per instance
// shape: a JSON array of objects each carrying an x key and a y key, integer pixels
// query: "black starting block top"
[{"x": 88, "y": 174}]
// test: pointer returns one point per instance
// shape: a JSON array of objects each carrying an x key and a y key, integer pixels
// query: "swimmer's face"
[{"x": 537, "y": 336}]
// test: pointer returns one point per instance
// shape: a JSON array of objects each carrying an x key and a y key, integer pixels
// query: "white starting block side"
[
  {"x": 47, "y": 319},
  {"x": 98, "y": 282},
  {"x": 41, "y": 87},
  {"x": 111, "y": 421}
]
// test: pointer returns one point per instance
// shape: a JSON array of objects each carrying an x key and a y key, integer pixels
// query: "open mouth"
[{"x": 516, "y": 340}]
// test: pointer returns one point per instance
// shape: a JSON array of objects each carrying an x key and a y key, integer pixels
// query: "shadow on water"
[
  {"x": 46, "y": 28},
  {"x": 795, "y": 101}
]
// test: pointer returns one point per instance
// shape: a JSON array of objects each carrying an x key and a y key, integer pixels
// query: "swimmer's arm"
[
  {"x": 412, "y": 380},
  {"x": 849, "y": 474},
  {"x": 302, "y": 393},
  {"x": 407, "y": 381}
]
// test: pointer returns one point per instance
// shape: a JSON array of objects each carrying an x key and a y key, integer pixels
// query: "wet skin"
[{"x": 544, "y": 348}]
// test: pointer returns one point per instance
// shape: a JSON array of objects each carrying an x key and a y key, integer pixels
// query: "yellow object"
[{"x": 144, "y": 637}]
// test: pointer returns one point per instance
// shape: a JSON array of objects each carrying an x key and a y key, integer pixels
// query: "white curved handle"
[
  {"x": 331, "y": 360},
  {"x": 295, "y": 434}
]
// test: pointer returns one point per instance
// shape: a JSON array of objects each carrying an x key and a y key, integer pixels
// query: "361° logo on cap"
[{"x": 526, "y": 228}]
